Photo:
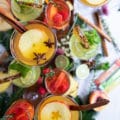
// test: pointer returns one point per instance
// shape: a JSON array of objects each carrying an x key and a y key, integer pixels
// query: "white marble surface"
[{"x": 112, "y": 111}]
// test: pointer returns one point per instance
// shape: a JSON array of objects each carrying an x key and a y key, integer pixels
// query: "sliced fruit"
[
  {"x": 82, "y": 71},
  {"x": 62, "y": 62},
  {"x": 52, "y": 11},
  {"x": 55, "y": 110},
  {"x": 57, "y": 19},
  {"x": 96, "y": 96}
]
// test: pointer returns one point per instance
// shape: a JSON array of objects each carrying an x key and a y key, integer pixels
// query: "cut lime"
[
  {"x": 79, "y": 51},
  {"x": 62, "y": 62},
  {"x": 82, "y": 71}
]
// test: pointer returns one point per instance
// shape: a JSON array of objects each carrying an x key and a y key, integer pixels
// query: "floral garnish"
[
  {"x": 49, "y": 43},
  {"x": 39, "y": 56}
]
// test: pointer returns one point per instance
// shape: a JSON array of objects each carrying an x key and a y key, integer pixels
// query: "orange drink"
[
  {"x": 37, "y": 46},
  {"x": 94, "y": 3},
  {"x": 57, "y": 14},
  {"x": 56, "y": 108}
]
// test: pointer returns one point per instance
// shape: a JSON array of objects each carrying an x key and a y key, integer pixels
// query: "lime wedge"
[
  {"x": 79, "y": 51},
  {"x": 62, "y": 62},
  {"x": 82, "y": 71},
  {"x": 55, "y": 111}
]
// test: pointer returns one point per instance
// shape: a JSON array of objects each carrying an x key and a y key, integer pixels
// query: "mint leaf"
[{"x": 92, "y": 36}]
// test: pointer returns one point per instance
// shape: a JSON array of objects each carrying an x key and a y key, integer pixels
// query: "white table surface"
[{"x": 112, "y": 111}]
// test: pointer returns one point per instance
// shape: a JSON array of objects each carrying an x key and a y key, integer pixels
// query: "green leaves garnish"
[
  {"x": 92, "y": 37},
  {"x": 103, "y": 66},
  {"x": 23, "y": 69}
]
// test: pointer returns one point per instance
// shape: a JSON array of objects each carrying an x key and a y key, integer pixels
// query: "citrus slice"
[
  {"x": 55, "y": 111},
  {"x": 82, "y": 71},
  {"x": 96, "y": 2},
  {"x": 79, "y": 51},
  {"x": 62, "y": 62}
]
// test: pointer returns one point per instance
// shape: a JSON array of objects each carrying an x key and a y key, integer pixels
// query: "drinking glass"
[
  {"x": 37, "y": 46},
  {"x": 50, "y": 106}
]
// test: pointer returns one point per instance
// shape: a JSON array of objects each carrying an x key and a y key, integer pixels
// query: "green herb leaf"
[
  {"x": 23, "y": 69},
  {"x": 103, "y": 66},
  {"x": 92, "y": 37}
]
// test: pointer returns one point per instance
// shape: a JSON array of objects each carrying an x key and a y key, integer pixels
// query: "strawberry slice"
[
  {"x": 57, "y": 19},
  {"x": 64, "y": 14}
]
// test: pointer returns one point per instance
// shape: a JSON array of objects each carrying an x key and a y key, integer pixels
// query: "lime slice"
[
  {"x": 55, "y": 111},
  {"x": 62, "y": 62},
  {"x": 79, "y": 51},
  {"x": 82, "y": 71}
]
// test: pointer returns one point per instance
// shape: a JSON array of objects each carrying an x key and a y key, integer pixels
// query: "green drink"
[
  {"x": 28, "y": 75},
  {"x": 26, "y": 11}
]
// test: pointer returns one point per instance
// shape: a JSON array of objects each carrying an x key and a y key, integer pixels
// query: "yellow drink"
[
  {"x": 56, "y": 108},
  {"x": 36, "y": 46},
  {"x": 94, "y": 3}
]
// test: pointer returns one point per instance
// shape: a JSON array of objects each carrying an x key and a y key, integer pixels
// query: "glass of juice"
[
  {"x": 57, "y": 14},
  {"x": 60, "y": 83},
  {"x": 94, "y": 3},
  {"x": 20, "y": 110},
  {"x": 56, "y": 108},
  {"x": 37, "y": 46},
  {"x": 26, "y": 10}
]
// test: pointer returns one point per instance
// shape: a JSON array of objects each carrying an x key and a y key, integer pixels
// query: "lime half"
[
  {"x": 82, "y": 71},
  {"x": 62, "y": 62}
]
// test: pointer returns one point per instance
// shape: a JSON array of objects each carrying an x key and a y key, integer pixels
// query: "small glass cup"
[
  {"x": 37, "y": 46},
  {"x": 19, "y": 110},
  {"x": 86, "y": 2},
  {"x": 60, "y": 83},
  {"x": 57, "y": 14},
  {"x": 26, "y": 11},
  {"x": 64, "y": 101}
]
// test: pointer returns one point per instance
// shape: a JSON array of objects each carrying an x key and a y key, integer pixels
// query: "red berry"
[
  {"x": 42, "y": 90},
  {"x": 40, "y": 80},
  {"x": 57, "y": 19},
  {"x": 46, "y": 70}
]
